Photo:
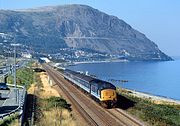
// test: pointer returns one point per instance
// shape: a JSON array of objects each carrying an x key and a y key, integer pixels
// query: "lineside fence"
[{"x": 21, "y": 106}]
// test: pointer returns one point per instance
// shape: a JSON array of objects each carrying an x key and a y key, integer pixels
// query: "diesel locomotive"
[{"x": 103, "y": 92}]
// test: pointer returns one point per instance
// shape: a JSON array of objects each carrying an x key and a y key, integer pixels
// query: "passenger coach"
[{"x": 103, "y": 91}]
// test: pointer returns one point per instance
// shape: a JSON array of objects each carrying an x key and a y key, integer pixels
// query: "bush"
[
  {"x": 59, "y": 102},
  {"x": 155, "y": 114}
]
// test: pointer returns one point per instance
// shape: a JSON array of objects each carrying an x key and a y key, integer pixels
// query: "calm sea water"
[{"x": 158, "y": 78}]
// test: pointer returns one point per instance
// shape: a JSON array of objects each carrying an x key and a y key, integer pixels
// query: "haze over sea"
[{"x": 158, "y": 78}]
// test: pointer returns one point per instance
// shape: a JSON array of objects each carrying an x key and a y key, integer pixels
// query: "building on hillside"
[{"x": 26, "y": 55}]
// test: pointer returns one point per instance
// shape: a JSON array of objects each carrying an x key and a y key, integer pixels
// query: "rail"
[
  {"x": 117, "y": 115},
  {"x": 90, "y": 111},
  {"x": 77, "y": 105}
]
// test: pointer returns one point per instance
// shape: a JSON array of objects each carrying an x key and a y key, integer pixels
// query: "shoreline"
[
  {"x": 153, "y": 98},
  {"x": 145, "y": 95},
  {"x": 105, "y": 61}
]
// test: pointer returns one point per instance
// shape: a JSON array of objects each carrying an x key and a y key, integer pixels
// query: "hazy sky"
[{"x": 159, "y": 20}]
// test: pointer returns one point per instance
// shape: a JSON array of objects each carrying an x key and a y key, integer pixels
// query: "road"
[{"x": 9, "y": 103}]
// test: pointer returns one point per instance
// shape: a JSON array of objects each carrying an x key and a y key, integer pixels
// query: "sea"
[{"x": 156, "y": 78}]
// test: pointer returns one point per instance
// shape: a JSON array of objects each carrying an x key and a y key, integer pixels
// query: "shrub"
[
  {"x": 57, "y": 102},
  {"x": 155, "y": 114}
]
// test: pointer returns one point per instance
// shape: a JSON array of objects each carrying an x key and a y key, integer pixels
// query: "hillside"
[{"x": 47, "y": 29}]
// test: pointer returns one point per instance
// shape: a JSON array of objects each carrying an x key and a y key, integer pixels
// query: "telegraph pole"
[
  {"x": 15, "y": 85},
  {"x": 15, "y": 66}
]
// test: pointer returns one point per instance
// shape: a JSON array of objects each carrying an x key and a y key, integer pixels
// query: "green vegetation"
[
  {"x": 53, "y": 110},
  {"x": 54, "y": 102},
  {"x": 9, "y": 120},
  {"x": 60, "y": 70},
  {"x": 25, "y": 76},
  {"x": 57, "y": 102},
  {"x": 154, "y": 114}
]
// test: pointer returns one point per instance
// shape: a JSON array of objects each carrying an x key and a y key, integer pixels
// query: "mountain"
[{"x": 47, "y": 29}]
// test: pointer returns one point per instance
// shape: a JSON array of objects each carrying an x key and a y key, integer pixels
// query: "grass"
[
  {"x": 56, "y": 117},
  {"x": 154, "y": 114},
  {"x": 24, "y": 76},
  {"x": 51, "y": 110},
  {"x": 57, "y": 102},
  {"x": 53, "y": 102},
  {"x": 10, "y": 121},
  {"x": 54, "y": 111}
]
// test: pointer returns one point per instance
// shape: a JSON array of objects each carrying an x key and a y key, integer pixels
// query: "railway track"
[
  {"x": 79, "y": 108},
  {"x": 94, "y": 114},
  {"x": 121, "y": 115}
]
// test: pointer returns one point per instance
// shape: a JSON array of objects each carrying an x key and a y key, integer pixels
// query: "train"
[{"x": 102, "y": 91}]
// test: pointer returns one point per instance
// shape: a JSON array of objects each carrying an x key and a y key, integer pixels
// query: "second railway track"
[{"x": 90, "y": 111}]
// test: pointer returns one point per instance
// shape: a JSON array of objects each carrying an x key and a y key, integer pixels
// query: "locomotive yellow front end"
[{"x": 108, "y": 97}]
